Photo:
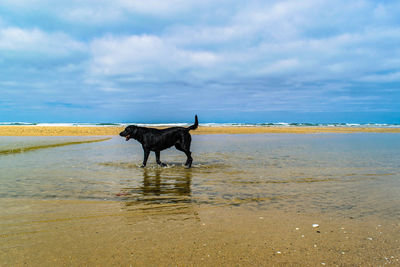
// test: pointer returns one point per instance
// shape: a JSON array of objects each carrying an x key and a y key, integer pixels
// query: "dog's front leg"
[
  {"x": 146, "y": 156},
  {"x": 158, "y": 159}
]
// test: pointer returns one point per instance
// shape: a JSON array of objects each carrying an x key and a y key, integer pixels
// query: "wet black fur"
[{"x": 157, "y": 140}]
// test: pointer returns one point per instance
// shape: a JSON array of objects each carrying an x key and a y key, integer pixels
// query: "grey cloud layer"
[{"x": 277, "y": 55}]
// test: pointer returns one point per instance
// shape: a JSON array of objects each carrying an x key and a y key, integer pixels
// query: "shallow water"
[{"x": 354, "y": 175}]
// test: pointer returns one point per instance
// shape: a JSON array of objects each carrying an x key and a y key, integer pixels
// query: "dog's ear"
[{"x": 133, "y": 130}]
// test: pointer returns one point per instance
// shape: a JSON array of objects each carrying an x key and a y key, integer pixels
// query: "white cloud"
[
  {"x": 280, "y": 66},
  {"x": 156, "y": 7},
  {"x": 93, "y": 15},
  {"x": 149, "y": 54},
  {"x": 37, "y": 41},
  {"x": 307, "y": 40},
  {"x": 99, "y": 12},
  {"x": 382, "y": 78}
]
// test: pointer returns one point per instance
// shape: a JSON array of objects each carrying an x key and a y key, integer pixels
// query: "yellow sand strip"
[
  {"x": 31, "y": 148},
  {"x": 93, "y": 131}
]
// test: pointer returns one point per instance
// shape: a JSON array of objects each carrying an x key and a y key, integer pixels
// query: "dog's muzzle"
[{"x": 123, "y": 134}]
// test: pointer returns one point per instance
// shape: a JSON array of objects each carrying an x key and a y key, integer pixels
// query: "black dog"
[{"x": 157, "y": 140}]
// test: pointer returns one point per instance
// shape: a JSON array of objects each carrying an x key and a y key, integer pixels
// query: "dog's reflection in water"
[
  {"x": 170, "y": 185},
  {"x": 160, "y": 186},
  {"x": 161, "y": 193}
]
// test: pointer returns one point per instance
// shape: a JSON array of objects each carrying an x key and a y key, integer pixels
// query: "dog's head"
[{"x": 129, "y": 132}]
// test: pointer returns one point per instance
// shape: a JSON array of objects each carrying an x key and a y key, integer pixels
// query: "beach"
[{"x": 72, "y": 196}]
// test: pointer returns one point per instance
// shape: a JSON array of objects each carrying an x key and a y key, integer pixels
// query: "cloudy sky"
[{"x": 227, "y": 61}]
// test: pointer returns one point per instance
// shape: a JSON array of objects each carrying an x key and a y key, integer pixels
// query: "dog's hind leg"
[
  {"x": 189, "y": 159},
  {"x": 146, "y": 156},
  {"x": 188, "y": 154},
  {"x": 186, "y": 148},
  {"x": 158, "y": 159}
]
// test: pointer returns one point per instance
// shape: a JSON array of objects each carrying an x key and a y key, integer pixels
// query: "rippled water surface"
[{"x": 348, "y": 174}]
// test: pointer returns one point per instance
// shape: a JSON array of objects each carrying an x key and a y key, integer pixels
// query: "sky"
[{"x": 227, "y": 61}]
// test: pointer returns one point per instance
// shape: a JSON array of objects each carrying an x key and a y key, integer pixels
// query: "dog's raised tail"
[{"x": 194, "y": 126}]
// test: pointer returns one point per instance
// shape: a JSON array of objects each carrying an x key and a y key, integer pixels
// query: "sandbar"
[{"x": 98, "y": 131}]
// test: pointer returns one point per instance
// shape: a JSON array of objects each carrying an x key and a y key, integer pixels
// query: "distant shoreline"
[
  {"x": 205, "y": 124},
  {"x": 113, "y": 130}
]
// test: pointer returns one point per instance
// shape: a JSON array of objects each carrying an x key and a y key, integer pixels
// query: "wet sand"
[
  {"x": 94, "y": 233},
  {"x": 96, "y": 131}
]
